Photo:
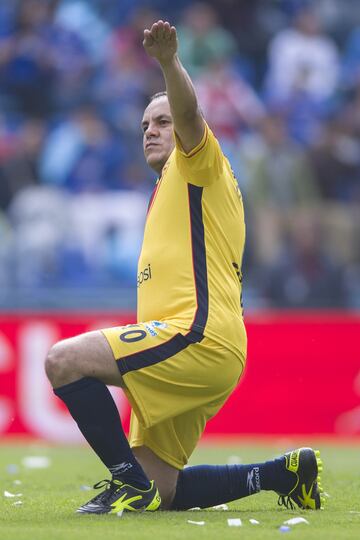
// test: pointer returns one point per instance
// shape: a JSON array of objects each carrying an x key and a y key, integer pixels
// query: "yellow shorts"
[{"x": 175, "y": 382}]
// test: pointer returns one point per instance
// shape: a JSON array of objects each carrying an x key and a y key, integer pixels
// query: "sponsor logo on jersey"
[
  {"x": 144, "y": 275},
  {"x": 150, "y": 329}
]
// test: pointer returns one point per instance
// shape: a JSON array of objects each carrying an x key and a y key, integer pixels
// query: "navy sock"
[
  {"x": 92, "y": 407},
  {"x": 209, "y": 485}
]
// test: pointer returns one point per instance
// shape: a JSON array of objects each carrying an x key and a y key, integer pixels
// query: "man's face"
[{"x": 158, "y": 140}]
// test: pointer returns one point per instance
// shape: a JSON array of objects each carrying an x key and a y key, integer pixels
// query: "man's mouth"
[{"x": 150, "y": 145}]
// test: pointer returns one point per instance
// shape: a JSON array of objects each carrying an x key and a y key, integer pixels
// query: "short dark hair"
[
  {"x": 164, "y": 93},
  {"x": 157, "y": 95}
]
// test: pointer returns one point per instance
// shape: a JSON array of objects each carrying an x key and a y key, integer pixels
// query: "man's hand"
[{"x": 161, "y": 42}]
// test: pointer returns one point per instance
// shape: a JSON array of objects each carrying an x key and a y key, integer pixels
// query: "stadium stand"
[{"x": 73, "y": 182}]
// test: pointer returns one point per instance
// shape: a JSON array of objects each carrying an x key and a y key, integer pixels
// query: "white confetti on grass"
[
  {"x": 234, "y": 522},
  {"x": 296, "y": 521},
  {"x": 17, "y": 503},
  {"x": 195, "y": 509},
  {"x": 85, "y": 488},
  {"x": 17, "y": 482},
  {"x": 11, "y": 495},
  {"x": 119, "y": 514},
  {"x": 254, "y": 521},
  {"x": 354, "y": 512},
  {"x": 220, "y": 507},
  {"x": 196, "y": 522},
  {"x": 36, "y": 462}
]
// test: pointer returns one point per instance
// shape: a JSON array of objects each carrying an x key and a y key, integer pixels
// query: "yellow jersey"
[{"x": 189, "y": 271}]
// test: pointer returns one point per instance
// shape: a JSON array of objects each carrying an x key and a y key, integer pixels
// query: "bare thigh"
[
  {"x": 86, "y": 355},
  {"x": 164, "y": 475}
]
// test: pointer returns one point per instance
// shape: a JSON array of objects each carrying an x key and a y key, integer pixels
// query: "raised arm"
[{"x": 161, "y": 43}]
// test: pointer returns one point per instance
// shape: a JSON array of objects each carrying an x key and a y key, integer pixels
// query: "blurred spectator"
[
  {"x": 80, "y": 17},
  {"x": 279, "y": 179},
  {"x": 302, "y": 74},
  {"x": 304, "y": 275},
  {"x": 239, "y": 16},
  {"x": 230, "y": 105},
  {"x": 336, "y": 161},
  {"x": 21, "y": 168},
  {"x": 302, "y": 58},
  {"x": 280, "y": 174},
  {"x": 40, "y": 62},
  {"x": 202, "y": 39},
  {"x": 252, "y": 24},
  {"x": 126, "y": 79},
  {"x": 82, "y": 154},
  {"x": 304, "y": 115},
  {"x": 26, "y": 75},
  {"x": 351, "y": 61}
]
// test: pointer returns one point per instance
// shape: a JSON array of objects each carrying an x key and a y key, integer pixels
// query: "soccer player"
[{"x": 181, "y": 361}]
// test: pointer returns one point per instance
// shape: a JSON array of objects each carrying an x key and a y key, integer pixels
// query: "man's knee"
[
  {"x": 60, "y": 363},
  {"x": 86, "y": 355}
]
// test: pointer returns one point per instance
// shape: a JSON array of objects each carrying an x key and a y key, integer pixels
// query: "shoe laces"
[
  {"x": 285, "y": 500},
  {"x": 111, "y": 487}
]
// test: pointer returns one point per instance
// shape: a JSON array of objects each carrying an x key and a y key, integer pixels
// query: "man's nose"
[{"x": 152, "y": 131}]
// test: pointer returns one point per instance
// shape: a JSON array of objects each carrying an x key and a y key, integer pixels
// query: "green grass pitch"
[{"x": 50, "y": 496}]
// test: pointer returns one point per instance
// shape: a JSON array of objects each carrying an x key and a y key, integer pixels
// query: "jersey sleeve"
[{"x": 203, "y": 164}]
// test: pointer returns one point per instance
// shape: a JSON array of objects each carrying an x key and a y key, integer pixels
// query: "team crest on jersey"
[
  {"x": 152, "y": 326},
  {"x": 158, "y": 324}
]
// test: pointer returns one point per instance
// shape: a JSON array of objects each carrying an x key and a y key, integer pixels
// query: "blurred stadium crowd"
[{"x": 279, "y": 84}]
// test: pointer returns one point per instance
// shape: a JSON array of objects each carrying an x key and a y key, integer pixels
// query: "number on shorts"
[{"x": 133, "y": 335}]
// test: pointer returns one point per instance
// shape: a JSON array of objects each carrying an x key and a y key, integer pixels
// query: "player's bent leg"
[
  {"x": 86, "y": 355},
  {"x": 293, "y": 476},
  {"x": 165, "y": 475},
  {"x": 79, "y": 370}
]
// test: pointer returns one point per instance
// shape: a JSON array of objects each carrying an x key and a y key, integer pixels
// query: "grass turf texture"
[{"x": 51, "y": 495}]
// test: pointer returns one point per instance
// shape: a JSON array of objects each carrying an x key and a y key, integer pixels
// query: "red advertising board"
[{"x": 302, "y": 376}]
